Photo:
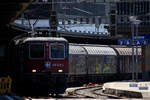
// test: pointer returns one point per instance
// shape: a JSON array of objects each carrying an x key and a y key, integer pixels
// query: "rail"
[{"x": 94, "y": 92}]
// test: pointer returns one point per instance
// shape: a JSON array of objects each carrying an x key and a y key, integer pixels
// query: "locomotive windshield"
[
  {"x": 57, "y": 51},
  {"x": 36, "y": 51}
]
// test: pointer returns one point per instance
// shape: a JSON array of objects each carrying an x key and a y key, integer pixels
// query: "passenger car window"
[
  {"x": 36, "y": 51},
  {"x": 57, "y": 51}
]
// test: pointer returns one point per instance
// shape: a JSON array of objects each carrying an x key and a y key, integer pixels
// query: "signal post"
[{"x": 53, "y": 19}]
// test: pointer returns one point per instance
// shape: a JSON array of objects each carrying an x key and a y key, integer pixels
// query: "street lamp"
[{"x": 135, "y": 22}]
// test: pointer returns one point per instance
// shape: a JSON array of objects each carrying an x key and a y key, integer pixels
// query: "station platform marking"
[{"x": 142, "y": 88}]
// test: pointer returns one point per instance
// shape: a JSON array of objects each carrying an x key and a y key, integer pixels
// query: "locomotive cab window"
[
  {"x": 36, "y": 51},
  {"x": 57, "y": 51}
]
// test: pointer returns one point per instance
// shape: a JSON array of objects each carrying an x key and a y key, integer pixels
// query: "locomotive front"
[{"x": 45, "y": 63}]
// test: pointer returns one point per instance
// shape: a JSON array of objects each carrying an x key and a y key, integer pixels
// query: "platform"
[{"x": 128, "y": 89}]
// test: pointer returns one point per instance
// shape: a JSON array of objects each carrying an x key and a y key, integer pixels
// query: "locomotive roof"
[{"x": 29, "y": 39}]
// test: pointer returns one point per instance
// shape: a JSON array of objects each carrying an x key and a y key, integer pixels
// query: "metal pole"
[
  {"x": 143, "y": 63},
  {"x": 64, "y": 10},
  {"x": 52, "y": 5},
  {"x": 22, "y": 18},
  {"x": 136, "y": 53},
  {"x": 132, "y": 30}
]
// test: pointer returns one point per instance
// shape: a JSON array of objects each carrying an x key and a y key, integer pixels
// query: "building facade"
[
  {"x": 120, "y": 25},
  {"x": 123, "y": 9}
]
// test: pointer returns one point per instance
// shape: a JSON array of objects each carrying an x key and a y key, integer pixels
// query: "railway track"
[
  {"x": 99, "y": 92},
  {"x": 93, "y": 92},
  {"x": 87, "y": 92}
]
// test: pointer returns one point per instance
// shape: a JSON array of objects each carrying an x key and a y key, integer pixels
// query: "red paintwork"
[{"x": 39, "y": 64}]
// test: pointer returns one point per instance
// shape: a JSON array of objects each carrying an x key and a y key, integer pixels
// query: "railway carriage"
[
  {"x": 91, "y": 63},
  {"x": 125, "y": 62},
  {"x": 100, "y": 63}
]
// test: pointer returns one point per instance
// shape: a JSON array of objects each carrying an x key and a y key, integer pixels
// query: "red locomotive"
[{"x": 39, "y": 63}]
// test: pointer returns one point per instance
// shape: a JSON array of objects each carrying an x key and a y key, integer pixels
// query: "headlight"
[
  {"x": 33, "y": 70},
  {"x": 60, "y": 70}
]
